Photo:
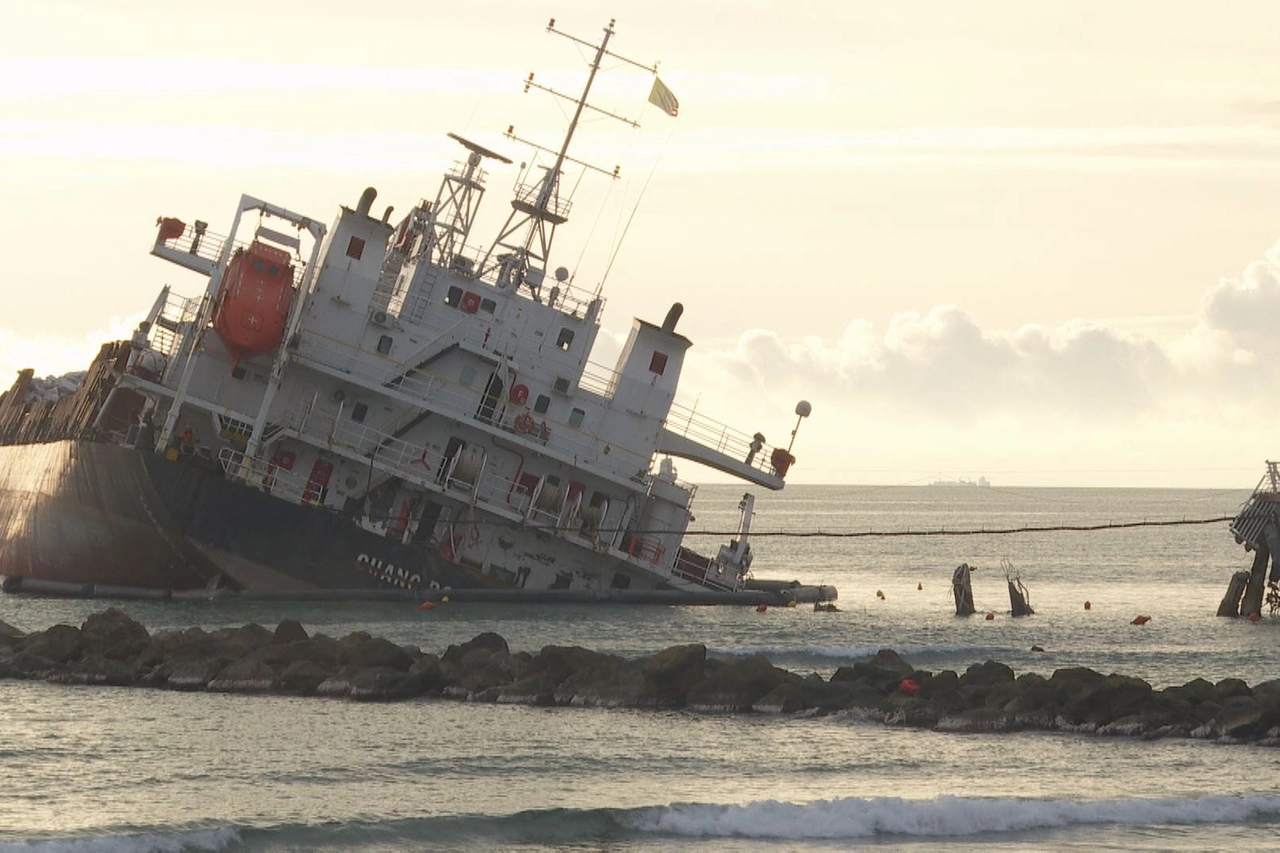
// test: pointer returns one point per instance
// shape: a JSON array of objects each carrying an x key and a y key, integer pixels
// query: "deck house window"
[
  {"x": 575, "y": 417},
  {"x": 658, "y": 364},
  {"x": 358, "y": 412},
  {"x": 355, "y": 248},
  {"x": 565, "y": 339},
  {"x": 541, "y": 404}
]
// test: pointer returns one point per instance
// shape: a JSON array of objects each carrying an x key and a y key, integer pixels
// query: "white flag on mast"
[{"x": 661, "y": 97}]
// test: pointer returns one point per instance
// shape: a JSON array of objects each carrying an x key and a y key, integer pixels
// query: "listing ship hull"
[{"x": 79, "y": 513}]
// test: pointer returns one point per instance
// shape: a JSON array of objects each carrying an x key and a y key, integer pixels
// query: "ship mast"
[{"x": 537, "y": 208}]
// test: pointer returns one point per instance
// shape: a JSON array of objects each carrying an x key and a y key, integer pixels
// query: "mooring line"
[{"x": 995, "y": 531}]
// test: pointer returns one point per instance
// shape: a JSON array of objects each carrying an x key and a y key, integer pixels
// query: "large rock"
[
  {"x": 1195, "y": 691},
  {"x": 114, "y": 634},
  {"x": 1116, "y": 696},
  {"x": 289, "y": 631},
  {"x": 891, "y": 660},
  {"x": 737, "y": 685},
  {"x": 365, "y": 652},
  {"x": 1247, "y": 717},
  {"x": 560, "y": 662},
  {"x": 9, "y": 635},
  {"x": 246, "y": 675},
  {"x": 94, "y": 668},
  {"x": 383, "y": 684},
  {"x": 59, "y": 644},
  {"x": 536, "y": 688},
  {"x": 478, "y": 669},
  {"x": 303, "y": 677},
  {"x": 660, "y": 681},
  {"x": 197, "y": 644},
  {"x": 668, "y": 676}
]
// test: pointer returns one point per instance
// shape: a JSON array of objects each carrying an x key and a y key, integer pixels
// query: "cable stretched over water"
[
  {"x": 855, "y": 534},
  {"x": 983, "y": 531}
]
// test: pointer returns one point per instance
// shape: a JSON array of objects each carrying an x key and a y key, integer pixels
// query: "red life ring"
[
  {"x": 524, "y": 423},
  {"x": 470, "y": 302},
  {"x": 519, "y": 394}
]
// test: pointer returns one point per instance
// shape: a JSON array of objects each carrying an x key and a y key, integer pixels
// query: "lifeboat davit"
[{"x": 253, "y": 302}]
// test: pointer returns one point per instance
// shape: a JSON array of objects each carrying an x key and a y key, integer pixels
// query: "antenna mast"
[{"x": 537, "y": 207}]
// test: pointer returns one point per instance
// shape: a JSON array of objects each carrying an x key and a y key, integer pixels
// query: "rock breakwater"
[{"x": 111, "y": 648}]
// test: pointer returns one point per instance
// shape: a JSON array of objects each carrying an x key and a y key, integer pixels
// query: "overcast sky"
[{"x": 1038, "y": 242}]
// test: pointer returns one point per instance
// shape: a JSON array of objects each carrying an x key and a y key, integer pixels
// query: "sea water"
[{"x": 89, "y": 768}]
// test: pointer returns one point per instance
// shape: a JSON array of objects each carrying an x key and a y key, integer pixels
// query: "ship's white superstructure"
[{"x": 437, "y": 391}]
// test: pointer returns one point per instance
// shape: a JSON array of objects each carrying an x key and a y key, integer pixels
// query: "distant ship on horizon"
[{"x": 981, "y": 482}]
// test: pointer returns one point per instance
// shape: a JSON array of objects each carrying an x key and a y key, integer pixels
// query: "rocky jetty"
[{"x": 112, "y": 648}]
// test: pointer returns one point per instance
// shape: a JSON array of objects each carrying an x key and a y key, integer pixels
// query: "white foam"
[
  {"x": 172, "y": 842},
  {"x": 943, "y": 816}
]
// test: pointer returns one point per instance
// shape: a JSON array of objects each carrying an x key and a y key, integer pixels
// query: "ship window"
[
  {"x": 488, "y": 306},
  {"x": 358, "y": 411},
  {"x": 453, "y": 297},
  {"x": 658, "y": 364},
  {"x": 467, "y": 376},
  {"x": 541, "y": 404},
  {"x": 258, "y": 265},
  {"x": 237, "y": 372},
  {"x": 565, "y": 339},
  {"x": 384, "y": 344},
  {"x": 273, "y": 271},
  {"x": 355, "y": 248},
  {"x": 575, "y": 417}
]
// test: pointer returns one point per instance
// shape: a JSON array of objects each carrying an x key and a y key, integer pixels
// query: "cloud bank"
[{"x": 936, "y": 392}]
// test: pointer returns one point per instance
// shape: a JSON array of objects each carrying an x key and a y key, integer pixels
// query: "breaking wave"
[
  {"x": 942, "y": 816},
  {"x": 769, "y": 820},
  {"x": 217, "y": 839}
]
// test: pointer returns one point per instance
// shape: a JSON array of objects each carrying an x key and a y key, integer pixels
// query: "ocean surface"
[{"x": 128, "y": 769}]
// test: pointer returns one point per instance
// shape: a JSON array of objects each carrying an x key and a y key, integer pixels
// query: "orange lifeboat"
[{"x": 253, "y": 302}]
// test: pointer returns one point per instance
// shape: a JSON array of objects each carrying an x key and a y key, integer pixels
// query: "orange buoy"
[
  {"x": 761, "y": 608},
  {"x": 427, "y": 605},
  {"x": 991, "y": 617},
  {"x": 1088, "y": 605},
  {"x": 1140, "y": 620}
]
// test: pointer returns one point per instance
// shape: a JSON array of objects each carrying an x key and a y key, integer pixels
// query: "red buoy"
[
  {"x": 1253, "y": 617},
  {"x": 991, "y": 617},
  {"x": 1088, "y": 605},
  {"x": 760, "y": 608},
  {"x": 919, "y": 586},
  {"x": 427, "y": 605},
  {"x": 1140, "y": 620},
  {"x": 908, "y": 686}
]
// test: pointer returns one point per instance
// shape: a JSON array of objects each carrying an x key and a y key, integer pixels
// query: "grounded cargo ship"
[{"x": 373, "y": 409}]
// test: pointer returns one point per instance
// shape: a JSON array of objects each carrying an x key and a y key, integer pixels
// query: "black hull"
[{"x": 82, "y": 514}]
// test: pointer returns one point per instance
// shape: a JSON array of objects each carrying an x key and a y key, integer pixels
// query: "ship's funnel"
[
  {"x": 366, "y": 200},
  {"x": 673, "y": 317}
]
